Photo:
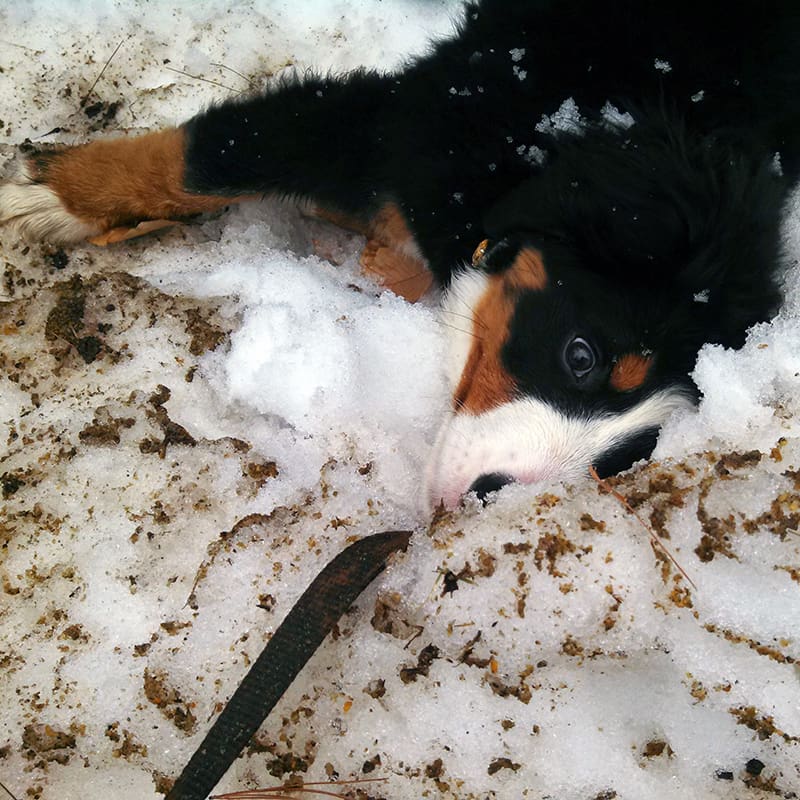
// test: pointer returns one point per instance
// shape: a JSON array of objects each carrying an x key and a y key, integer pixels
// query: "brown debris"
[
  {"x": 74, "y": 633},
  {"x": 610, "y": 619},
  {"x": 261, "y": 472},
  {"x": 521, "y": 548},
  {"x": 43, "y": 738},
  {"x": 550, "y": 547},
  {"x": 763, "y": 650},
  {"x": 571, "y": 647},
  {"x": 435, "y": 769},
  {"x": 104, "y": 429},
  {"x": 173, "y": 434},
  {"x": 44, "y": 744},
  {"x": 782, "y": 519},
  {"x": 388, "y": 616},
  {"x": 371, "y": 764},
  {"x": 656, "y": 748},
  {"x": 730, "y": 462},
  {"x": 128, "y": 746},
  {"x": 173, "y": 628},
  {"x": 503, "y": 763},
  {"x": 763, "y": 725},
  {"x": 487, "y": 563},
  {"x": 427, "y": 656},
  {"x": 794, "y": 572},
  {"x": 376, "y": 688},
  {"x": 716, "y": 531},
  {"x": 65, "y": 320},
  {"x": 467, "y": 657},
  {"x": 169, "y": 701},
  {"x": 521, "y": 691},
  {"x": 589, "y": 523},
  {"x": 205, "y": 335},
  {"x": 10, "y": 483}
]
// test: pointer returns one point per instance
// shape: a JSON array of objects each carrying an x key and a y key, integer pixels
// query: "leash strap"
[{"x": 296, "y": 639}]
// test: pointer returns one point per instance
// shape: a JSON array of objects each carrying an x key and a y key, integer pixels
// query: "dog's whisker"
[
  {"x": 460, "y": 330},
  {"x": 468, "y": 317},
  {"x": 472, "y": 314}
]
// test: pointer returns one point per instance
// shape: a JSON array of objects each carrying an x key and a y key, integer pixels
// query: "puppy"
[{"x": 597, "y": 186}]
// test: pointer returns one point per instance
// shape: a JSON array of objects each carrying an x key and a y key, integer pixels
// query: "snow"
[
  {"x": 256, "y": 403},
  {"x": 566, "y": 119}
]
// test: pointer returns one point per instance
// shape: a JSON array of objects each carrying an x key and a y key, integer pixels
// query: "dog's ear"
[
  {"x": 620, "y": 203},
  {"x": 663, "y": 209},
  {"x": 522, "y": 210}
]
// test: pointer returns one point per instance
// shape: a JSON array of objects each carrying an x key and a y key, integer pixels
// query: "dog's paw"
[
  {"x": 34, "y": 210},
  {"x": 406, "y": 276}
]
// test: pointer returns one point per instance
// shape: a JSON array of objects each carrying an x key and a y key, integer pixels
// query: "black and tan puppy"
[{"x": 621, "y": 164}]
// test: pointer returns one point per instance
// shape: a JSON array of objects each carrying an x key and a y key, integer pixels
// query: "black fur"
[
  {"x": 443, "y": 138},
  {"x": 656, "y": 237}
]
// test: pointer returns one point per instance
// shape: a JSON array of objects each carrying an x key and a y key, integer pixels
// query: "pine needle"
[
  {"x": 85, "y": 98},
  {"x": 235, "y": 72},
  {"x": 7, "y": 791},
  {"x": 655, "y": 539},
  {"x": 204, "y": 80},
  {"x": 280, "y": 792}
]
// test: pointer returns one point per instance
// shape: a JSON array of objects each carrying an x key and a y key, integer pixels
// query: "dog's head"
[{"x": 580, "y": 320}]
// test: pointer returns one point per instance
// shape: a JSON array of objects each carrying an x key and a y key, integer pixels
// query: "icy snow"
[
  {"x": 566, "y": 119},
  {"x": 257, "y": 403}
]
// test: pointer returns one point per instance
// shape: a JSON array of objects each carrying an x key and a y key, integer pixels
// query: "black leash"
[{"x": 314, "y": 615}]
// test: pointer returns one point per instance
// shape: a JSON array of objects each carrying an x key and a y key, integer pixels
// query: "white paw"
[{"x": 34, "y": 211}]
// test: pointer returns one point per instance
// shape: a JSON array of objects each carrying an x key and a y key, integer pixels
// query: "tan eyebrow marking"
[
  {"x": 527, "y": 271},
  {"x": 484, "y": 383},
  {"x": 630, "y": 372}
]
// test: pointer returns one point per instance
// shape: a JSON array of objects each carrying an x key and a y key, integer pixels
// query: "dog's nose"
[{"x": 486, "y": 484}]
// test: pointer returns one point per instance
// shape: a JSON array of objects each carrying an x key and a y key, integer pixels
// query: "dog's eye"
[{"x": 579, "y": 357}]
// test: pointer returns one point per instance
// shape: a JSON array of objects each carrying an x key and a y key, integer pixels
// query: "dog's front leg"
[
  {"x": 313, "y": 138},
  {"x": 69, "y": 194}
]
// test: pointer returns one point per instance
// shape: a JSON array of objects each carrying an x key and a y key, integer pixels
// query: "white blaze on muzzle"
[{"x": 530, "y": 441}]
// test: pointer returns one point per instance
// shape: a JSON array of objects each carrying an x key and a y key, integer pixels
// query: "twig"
[
  {"x": 7, "y": 791},
  {"x": 22, "y": 47},
  {"x": 656, "y": 540},
  {"x": 57, "y": 129},
  {"x": 231, "y": 69},
  {"x": 270, "y": 792},
  {"x": 205, "y": 80},
  {"x": 85, "y": 98}
]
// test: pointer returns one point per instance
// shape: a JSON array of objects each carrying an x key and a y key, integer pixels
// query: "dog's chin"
[{"x": 529, "y": 441}]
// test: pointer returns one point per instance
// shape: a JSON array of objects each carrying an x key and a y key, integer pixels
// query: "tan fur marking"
[
  {"x": 527, "y": 271},
  {"x": 630, "y": 372},
  {"x": 112, "y": 183},
  {"x": 484, "y": 383},
  {"x": 389, "y": 227},
  {"x": 344, "y": 221}
]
